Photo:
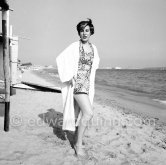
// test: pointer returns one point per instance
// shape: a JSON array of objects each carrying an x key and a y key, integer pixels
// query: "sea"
[
  {"x": 145, "y": 82},
  {"x": 149, "y": 83}
]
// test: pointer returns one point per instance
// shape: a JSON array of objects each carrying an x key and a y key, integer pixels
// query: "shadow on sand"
[{"x": 55, "y": 120}]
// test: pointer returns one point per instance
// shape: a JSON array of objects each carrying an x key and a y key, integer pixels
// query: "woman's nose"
[{"x": 84, "y": 32}]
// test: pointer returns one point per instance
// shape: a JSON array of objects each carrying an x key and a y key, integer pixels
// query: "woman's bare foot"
[{"x": 80, "y": 151}]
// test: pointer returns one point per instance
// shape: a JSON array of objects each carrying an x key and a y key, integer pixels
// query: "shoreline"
[{"x": 129, "y": 102}]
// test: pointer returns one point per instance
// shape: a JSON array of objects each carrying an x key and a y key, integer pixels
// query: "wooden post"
[
  {"x": 13, "y": 54},
  {"x": 5, "y": 36}
]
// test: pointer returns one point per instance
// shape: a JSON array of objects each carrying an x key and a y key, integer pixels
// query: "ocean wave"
[{"x": 161, "y": 101}]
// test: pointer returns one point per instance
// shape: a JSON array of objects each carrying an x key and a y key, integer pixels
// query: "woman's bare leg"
[
  {"x": 87, "y": 113},
  {"x": 76, "y": 109}
]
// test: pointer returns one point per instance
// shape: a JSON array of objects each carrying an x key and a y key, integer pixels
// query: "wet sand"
[{"x": 130, "y": 102}]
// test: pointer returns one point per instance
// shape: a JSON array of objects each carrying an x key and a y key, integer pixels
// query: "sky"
[{"x": 128, "y": 33}]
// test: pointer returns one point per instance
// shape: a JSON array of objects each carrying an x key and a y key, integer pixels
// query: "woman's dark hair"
[{"x": 81, "y": 25}]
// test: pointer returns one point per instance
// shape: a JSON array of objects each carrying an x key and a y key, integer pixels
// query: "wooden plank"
[
  {"x": 23, "y": 86},
  {"x": 5, "y": 36},
  {"x": 43, "y": 87}
]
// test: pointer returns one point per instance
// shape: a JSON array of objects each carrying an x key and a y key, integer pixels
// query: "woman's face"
[{"x": 85, "y": 34}]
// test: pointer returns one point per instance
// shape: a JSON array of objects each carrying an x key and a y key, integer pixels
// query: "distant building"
[{"x": 116, "y": 67}]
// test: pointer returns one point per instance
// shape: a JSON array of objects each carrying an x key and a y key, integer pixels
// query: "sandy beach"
[{"x": 115, "y": 135}]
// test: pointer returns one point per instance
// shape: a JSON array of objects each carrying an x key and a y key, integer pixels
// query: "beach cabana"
[{"x": 7, "y": 60}]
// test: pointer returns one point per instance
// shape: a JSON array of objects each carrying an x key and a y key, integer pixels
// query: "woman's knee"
[
  {"x": 91, "y": 113},
  {"x": 85, "y": 105},
  {"x": 88, "y": 114}
]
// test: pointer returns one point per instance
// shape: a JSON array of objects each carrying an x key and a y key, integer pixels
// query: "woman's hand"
[{"x": 72, "y": 82}]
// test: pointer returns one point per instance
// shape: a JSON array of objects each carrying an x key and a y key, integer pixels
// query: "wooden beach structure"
[
  {"x": 8, "y": 63},
  {"x": 9, "y": 66}
]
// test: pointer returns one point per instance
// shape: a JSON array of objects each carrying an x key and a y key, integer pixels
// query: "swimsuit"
[{"x": 82, "y": 80}]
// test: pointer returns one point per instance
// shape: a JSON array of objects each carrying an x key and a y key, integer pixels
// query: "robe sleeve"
[
  {"x": 65, "y": 64},
  {"x": 97, "y": 60}
]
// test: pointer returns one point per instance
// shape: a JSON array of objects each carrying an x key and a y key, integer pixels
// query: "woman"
[{"x": 77, "y": 66}]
